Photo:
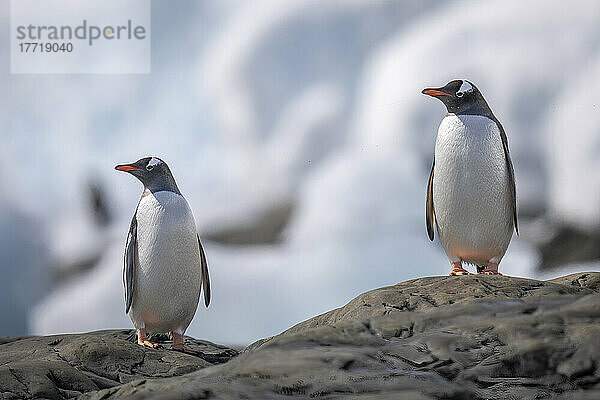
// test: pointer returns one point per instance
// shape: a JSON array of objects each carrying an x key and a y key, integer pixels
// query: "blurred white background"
[{"x": 303, "y": 115}]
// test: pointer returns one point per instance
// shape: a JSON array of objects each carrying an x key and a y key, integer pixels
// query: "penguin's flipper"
[
  {"x": 205, "y": 277},
  {"x": 511, "y": 175},
  {"x": 429, "y": 212},
  {"x": 130, "y": 264}
]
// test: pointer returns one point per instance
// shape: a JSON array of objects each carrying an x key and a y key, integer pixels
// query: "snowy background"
[{"x": 311, "y": 104}]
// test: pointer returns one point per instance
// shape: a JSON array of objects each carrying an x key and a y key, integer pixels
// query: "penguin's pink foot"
[
  {"x": 179, "y": 345},
  {"x": 147, "y": 343},
  {"x": 491, "y": 269},
  {"x": 457, "y": 269},
  {"x": 143, "y": 340}
]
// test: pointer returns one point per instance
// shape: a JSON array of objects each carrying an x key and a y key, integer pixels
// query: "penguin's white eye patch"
[
  {"x": 465, "y": 87},
  {"x": 154, "y": 161}
]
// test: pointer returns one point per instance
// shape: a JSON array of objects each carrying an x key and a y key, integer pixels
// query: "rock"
[
  {"x": 559, "y": 243},
  {"x": 264, "y": 228},
  {"x": 590, "y": 281},
  {"x": 473, "y": 337},
  {"x": 568, "y": 246},
  {"x": 429, "y": 293},
  {"x": 65, "y": 366}
]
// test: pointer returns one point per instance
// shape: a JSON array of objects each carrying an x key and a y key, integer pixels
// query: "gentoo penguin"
[
  {"x": 165, "y": 265},
  {"x": 471, "y": 192}
]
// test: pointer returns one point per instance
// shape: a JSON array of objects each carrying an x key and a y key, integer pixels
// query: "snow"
[{"x": 573, "y": 151}]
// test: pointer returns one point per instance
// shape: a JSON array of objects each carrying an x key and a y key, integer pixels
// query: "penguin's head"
[
  {"x": 460, "y": 97},
  {"x": 153, "y": 172}
]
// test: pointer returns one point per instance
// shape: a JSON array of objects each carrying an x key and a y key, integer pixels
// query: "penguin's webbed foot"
[
  {"x": 147, "y": 343},
  {"x": 491, "y": 269},
  {"x": 458, "y": 270},
  {"x": 143, "y": 340},
  {"x": 179, "y": 345}
]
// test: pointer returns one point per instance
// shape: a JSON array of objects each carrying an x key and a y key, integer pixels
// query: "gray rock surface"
[
  {"x": 264, "y": 228},
  {"x": 429, "y": 293},
  {"x": 473, "y": 337},
  {"x": 65, "y": 366}
]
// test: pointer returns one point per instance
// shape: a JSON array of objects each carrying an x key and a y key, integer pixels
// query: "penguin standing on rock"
[
  {"x": 165, "y": 265},
  {"x": 471, "y": 193}
]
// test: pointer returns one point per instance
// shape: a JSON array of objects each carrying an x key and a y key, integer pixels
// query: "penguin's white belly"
[
  {"x": 169, "y": 275},
  {"x": 471, "y": 193}
]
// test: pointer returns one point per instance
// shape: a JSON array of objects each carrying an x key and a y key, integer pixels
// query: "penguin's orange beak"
[
  {"x": 126, "y": 168},
  {"x": 435, "y": 92}
]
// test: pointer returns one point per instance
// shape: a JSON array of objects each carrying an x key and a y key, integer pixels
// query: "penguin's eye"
[
  {"x": 154, "y": 161},
  {"x": 464, "y": 88}
]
